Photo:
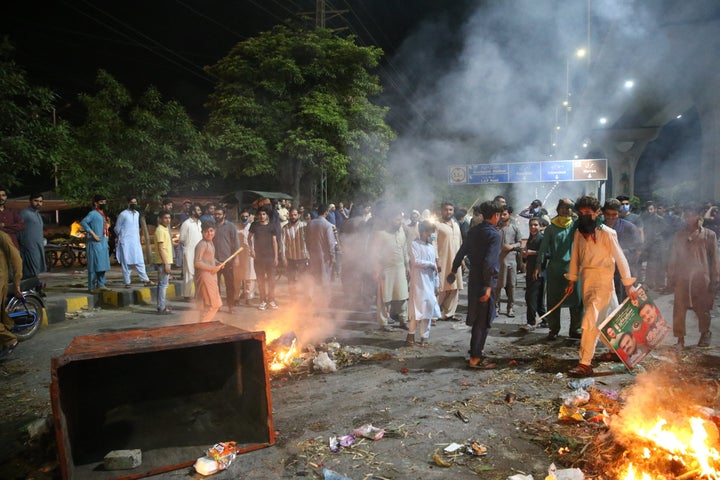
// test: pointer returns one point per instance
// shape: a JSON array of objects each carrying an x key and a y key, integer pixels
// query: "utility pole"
[
  {"x": 320, "y": 13},
  {"x": 323, "y": 15}
]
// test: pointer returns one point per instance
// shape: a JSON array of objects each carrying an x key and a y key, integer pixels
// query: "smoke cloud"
[{"x": 489, "y": 87}]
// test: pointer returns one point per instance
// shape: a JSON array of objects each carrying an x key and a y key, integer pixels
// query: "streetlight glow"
[
  {"x": 580, "y": 53},
  {"x": 629, "y": 84},
  {"x": 603, "y": 121}
]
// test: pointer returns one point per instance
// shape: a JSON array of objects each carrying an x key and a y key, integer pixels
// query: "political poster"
[{"x": 634, "y": 328}]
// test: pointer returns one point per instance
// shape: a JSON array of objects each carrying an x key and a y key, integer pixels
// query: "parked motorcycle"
[{"x": 27, "y": 311}]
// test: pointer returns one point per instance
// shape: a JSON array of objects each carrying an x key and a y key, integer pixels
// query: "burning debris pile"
[
  {"x": 667, "y": 429},
  {"x": 286, "y": 356}
]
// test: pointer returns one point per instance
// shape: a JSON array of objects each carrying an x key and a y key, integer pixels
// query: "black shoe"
[
  {"x": 551, "y": 336},
  {"x": 575, "y": 334},
  {"x": 705, "y": 339}
]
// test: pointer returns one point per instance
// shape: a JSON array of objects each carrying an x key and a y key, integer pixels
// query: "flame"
[
  {"x": 688, "y": 444},
  {"x": 284, "y": 357}
]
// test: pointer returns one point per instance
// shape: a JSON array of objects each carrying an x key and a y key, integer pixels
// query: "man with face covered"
[
  {"x": 449, "y": 239},
  {"x": 190, "y": 235},
  {"x": 96, "y": 246},
  {"x": 555, "y": 249},
  {"x": 595, "y": 254},
  {"x": 128, "y": 249},
  {"x": 629, "y": 237}
]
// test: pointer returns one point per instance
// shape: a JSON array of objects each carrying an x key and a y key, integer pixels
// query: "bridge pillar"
[
  {"x": 622, "y": 148},
  {"x": 707, "y": 103}
]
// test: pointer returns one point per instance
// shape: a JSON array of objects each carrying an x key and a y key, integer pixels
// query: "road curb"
[{"x": 57, "y": 308}]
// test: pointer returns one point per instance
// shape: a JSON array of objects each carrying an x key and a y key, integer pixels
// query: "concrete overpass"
[{"x": 674, "y": 63}]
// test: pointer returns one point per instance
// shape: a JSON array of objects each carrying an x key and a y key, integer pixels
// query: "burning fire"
[
  {"x": 689, "y": 444},
  {"x": 284, "y": 356}
]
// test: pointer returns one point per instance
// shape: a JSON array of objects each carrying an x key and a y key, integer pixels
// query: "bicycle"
[{"x": 26, "y": 312}]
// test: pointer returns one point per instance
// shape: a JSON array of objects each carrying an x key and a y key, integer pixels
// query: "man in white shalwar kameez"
[
  {"x": 390, "y": 265},
  {"x": 423, "y": 282},
  {"x": 449, "y": 240},
  {"x": 190, "y": 235},
  {"x": 595, "y": 254},
  {"x": 128, "y": 250}
]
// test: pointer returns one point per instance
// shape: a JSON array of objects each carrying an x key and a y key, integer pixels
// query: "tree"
[
  {"x": 29, "y": 142},
  {"x": 295, "y": 104},
  {"x": 147, "y": 148}
]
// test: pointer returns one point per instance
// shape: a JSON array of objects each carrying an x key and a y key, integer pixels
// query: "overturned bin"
[{"x": 171, "y": 392}]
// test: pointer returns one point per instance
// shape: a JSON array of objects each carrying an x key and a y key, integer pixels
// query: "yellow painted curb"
[
  {"x": 45, "y": 321},
  {"x": 143, "y": 295},
  {"x": 111, "y": 298},
  {"x": 76, "y": 303}
]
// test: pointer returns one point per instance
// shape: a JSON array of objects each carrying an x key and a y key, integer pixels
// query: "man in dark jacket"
[{"x": 483, "y": 249}]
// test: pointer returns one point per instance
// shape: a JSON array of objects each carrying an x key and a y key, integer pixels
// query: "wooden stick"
[
  {"x": 556, "y": 306},
  {"x": 231, "y": 257}
]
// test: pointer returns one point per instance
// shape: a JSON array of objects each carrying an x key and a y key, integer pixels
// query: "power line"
[
  {"x": 212, "y": 20},
  {"x": 266, "y": 11},
  {"x": 204, "y": 75}
]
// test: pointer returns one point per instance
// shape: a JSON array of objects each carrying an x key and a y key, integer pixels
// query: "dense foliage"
[
  {"x": 296, "y": 105},
  {"x": 28, "y": 139},
  {"x": 147, "y": 147}
]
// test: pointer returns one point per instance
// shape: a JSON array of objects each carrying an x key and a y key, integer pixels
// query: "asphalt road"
[{"x": 415, "y": 390}]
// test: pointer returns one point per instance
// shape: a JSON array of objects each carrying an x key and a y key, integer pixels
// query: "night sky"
[{"x": 166, "y": 43}]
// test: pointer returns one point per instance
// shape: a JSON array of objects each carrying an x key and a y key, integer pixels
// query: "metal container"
[{"x": 172, "y": 392}]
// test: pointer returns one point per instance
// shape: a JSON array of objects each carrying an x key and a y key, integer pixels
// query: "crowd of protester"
[{"x": 409, "y": 269}]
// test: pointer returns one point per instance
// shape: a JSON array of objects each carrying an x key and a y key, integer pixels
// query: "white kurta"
[
  {"x": 245, "y": 266},
  {"x": 423, "y": 281},
  {"x": 190, "y": 235},
  {"x": 449, "y": 240},
  {"x": 593, "y": 262},
  {"x": 128, "y": 250}
]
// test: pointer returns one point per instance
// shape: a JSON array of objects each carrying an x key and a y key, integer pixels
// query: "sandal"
[
  {"x": 127, "y": 285},
  {"x": 410, "y": 339},
  {"x": 478, "y": 362},
  {"x": 580, "y": 370},
  {"x": 150, "y": 283},
  {"x": 424, "y": 342}
]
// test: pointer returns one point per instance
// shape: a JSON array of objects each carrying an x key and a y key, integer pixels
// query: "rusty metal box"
[{"x": 171, "y": 392}]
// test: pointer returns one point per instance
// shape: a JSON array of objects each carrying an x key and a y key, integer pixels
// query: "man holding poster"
[{"x": 595, "y": 254}]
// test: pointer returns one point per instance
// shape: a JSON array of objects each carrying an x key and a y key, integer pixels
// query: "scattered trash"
[
  {"x": 347, "y": 441},
  {"x": 449, "y": 455},
  {"x": 219, "y": 457},
  {"x": 609, "y": 393},
  {"x": 324, "y": 363},
  {"x": 510, "y": 397},
  {"x": 334, "y": 445},
  {"x": 564, "y": 474},
  {"x": 521, "y": 477},
  {"x": 331, "y": 475},
  {"x": 477, "y": 449},
  {"x": 576, "y": 398},
  {"x": 206, "y": 466},
  {"x": 584, "y": 383},
  {"x": 462, "y": 417},
  {"x": 440, "y": 462},
  {"x": 559, "y": 375},
  {"x": 453, "y": 447},
  {"x": 370, "y": 432}
]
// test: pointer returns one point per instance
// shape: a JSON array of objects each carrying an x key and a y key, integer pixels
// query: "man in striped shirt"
[{"x": 293, "y": 250}]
